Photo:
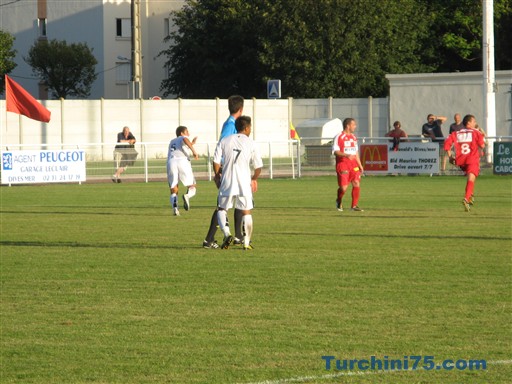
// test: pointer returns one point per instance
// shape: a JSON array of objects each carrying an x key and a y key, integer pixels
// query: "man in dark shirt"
[
  {"x": 124, "y": 153},
  {"x": 432, "y": 129},
  {"x": 457, "y": 124}
]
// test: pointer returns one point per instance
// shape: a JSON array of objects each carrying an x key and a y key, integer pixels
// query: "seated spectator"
[{"x": 397, "y": 134}]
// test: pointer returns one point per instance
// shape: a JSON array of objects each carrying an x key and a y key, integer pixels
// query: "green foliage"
[
  {"x": 67, "y": 70},
  {"x": 7, "y": 55},
  {"x": 319, "y": 49},
  {"x": 101, "y": 284},
  {"x": 324, "y": 48},
  {"x": 456, "y": 34}
]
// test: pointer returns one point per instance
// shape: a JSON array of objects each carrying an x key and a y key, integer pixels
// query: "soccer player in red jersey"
[
  {"x": 467, "y": 142},
  {"x": 348, "y": 163}
]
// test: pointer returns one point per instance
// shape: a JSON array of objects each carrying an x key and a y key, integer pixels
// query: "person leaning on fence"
[
  {"x": 124, "y": 153},
  {"x": 432, "y": 129},
  {"x": 397, "y": 134}
]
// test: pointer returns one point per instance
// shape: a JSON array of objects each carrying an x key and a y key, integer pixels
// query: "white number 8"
[{"x": 465, "y": 149}]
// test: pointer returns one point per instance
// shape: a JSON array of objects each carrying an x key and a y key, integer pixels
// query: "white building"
[{"x": 105, "y": 25}]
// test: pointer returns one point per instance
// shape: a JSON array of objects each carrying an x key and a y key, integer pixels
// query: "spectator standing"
[
  {"x": 234, "y": 155},
  {"x": 468, "y": 143},
  {"x": 124, "y": 153},
  {"x": 432, "y": 129},
  {"x": 397, "y": 134},
  {"x": 457, "y": 124},
  {"x": 179, "y": 168},
  {"x": 348, "y": 164}
]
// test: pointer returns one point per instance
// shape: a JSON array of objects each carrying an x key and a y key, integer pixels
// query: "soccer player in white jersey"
[
  {"x": 236, "y": 153},
  {"x": 180, "y": 169}
]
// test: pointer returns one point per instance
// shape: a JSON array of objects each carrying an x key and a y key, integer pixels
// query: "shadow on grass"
[
  {"x": 388, "y": 236},
  {"x": 72, "y": 244}
]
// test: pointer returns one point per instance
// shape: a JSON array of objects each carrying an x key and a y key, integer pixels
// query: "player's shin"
[
  {"x": 247, "y": 229},
  {"x": 238, "y": 223},
  {"x": 356, "y": 191},
  {"x": 222, "y": 219},
  {"x": 340, "y": 194},
  {"x": 470, "y": 187}
]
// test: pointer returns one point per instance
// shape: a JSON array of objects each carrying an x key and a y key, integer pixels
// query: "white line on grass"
[{"x": 303, "y": 379}]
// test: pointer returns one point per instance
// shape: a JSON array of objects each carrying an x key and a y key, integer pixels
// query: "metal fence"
[
  {"x": 151, "y": 160},
  {"x": 293, "y": 159}
]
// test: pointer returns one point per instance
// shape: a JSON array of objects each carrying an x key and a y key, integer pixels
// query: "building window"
[
  {"x": 123, "y": 73},
  {"x": 123, "y": 28},
  {"x": 41, "y": 23},
  {"x": 167, "y": 28}
]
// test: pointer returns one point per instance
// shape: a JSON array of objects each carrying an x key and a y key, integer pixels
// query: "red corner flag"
[{"x": 21, "y": 102}]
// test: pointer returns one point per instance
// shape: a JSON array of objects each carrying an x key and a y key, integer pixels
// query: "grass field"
[{"x": 101, "y": 284}]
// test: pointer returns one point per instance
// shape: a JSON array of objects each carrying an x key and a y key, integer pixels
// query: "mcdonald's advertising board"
[
  {"x": 374, "y": 157},
  {"x": 409, "y": 158}
]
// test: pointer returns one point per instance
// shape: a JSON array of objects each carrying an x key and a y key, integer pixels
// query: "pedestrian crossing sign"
[{"x": 274, "y": 89}]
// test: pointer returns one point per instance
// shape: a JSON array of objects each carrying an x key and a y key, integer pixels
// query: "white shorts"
[
  {"x": 180, "y": 170},
  {"x": 241, "y": 202}
]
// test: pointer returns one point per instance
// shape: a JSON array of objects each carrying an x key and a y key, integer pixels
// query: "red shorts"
[
  {"x": 347, "y": 173},
  {"x": 471, "y": 168}
]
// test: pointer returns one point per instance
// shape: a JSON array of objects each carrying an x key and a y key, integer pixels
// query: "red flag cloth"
[{"x": 21, "y": 102}]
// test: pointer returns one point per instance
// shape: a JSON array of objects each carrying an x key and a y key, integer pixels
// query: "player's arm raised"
[{"x": 190, "y": 144}]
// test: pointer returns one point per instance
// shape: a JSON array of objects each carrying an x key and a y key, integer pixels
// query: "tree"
[
  {"x": 7, "y": 55},
  {"x": 456, "y": 34},
  {"x": 339, "y": 48},
  {"x": 208, "y": 42},
  {"x": 343, "y": 48},
  {"x": 67, "y": 70},
  {"x": 336, "y": 48}
]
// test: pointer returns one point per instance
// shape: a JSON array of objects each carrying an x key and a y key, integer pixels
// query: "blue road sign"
[{"x": 274, "y": 89}]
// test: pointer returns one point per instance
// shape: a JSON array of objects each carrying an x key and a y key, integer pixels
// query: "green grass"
[{"x": 100, "y": 284}]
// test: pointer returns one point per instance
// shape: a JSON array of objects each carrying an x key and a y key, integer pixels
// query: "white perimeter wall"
[
  {"x": 155, "y": 121},
  {"x": 152, "y": 121},
  {"x": 414, "y": 96}
]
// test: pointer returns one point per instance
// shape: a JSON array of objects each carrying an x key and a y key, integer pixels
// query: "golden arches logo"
[{"x": 375, "y": 157}]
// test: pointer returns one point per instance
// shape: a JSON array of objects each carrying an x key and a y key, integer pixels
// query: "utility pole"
[
  {"x": 136, "y": 48},
  {"x": 489, "y": 79}
]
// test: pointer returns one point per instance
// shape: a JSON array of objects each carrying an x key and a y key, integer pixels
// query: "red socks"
[
  {"x": 355, "y": 196},
  {"x": 470, "y": 186}
]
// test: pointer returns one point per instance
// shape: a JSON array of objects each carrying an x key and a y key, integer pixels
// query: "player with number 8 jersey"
[{"x": 467, "y": 143}]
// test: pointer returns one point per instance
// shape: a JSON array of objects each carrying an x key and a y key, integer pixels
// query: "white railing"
[
  {"x": 290, "y": 158},
  {"x": 281, "y": 159}
]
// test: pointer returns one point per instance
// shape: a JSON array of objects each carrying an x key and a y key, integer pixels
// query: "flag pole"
[{"x": 20, "y": 130}]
